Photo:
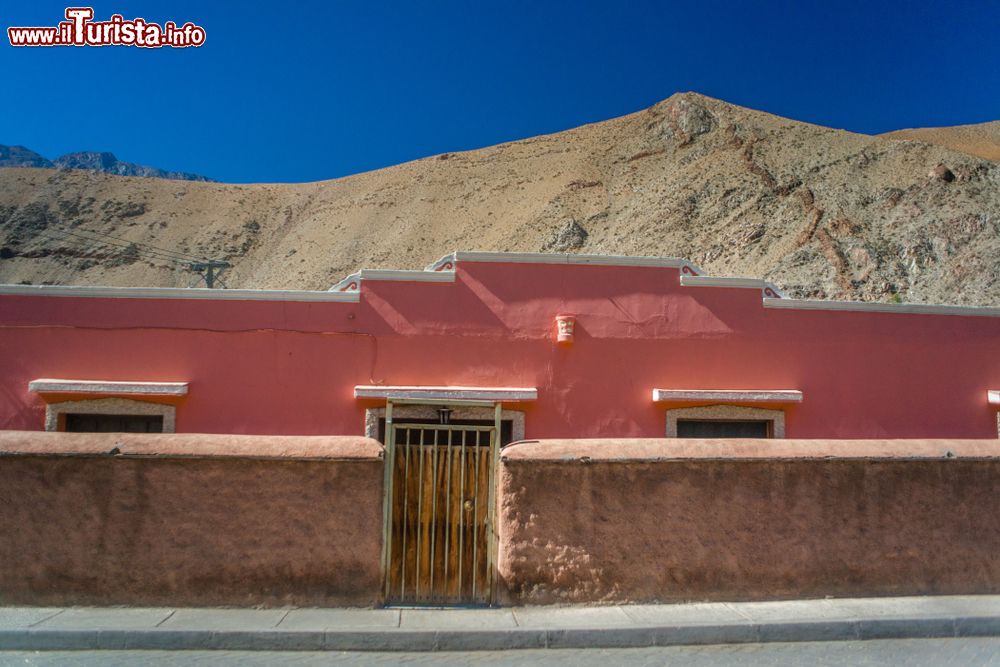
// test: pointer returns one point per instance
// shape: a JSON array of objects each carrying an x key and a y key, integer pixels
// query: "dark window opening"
[
  {"x": 506, "y": 426},
  {"x": 695, "y": 428},
  {"x": 76, "y": 423}
]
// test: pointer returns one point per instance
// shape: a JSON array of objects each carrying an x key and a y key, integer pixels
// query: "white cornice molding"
[
  {"x": 351, "y": 283},
  {"x": 445, "y": 263},
  {"x": 768, "y": 289},
  {"x": 860, "y": 306},
  {"x": 110, "y": 387},
  {"x": 419, "y": 276},
  {"x": 993, "y": 397},
  {"x": 729, "y": 395},
  {"x": 449, "y": 260},
  {"x": 175, "y": 293},
  {"x": 411, "y": 392},
  {"x": 714, "y": 281}
]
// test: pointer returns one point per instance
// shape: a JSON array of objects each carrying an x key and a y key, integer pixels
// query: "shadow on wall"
[{"x": 490, "y": 301}]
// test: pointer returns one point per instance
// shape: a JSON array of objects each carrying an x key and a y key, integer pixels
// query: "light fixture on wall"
[
  {"x": 565, "y": 326},
  {"x": 444, "y": 415}
]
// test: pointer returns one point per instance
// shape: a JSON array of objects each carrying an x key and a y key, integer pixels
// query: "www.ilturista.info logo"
[{"x": 81, "y": 30}]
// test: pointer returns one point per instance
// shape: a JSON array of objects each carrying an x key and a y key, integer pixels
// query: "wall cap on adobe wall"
[
  {"x": 636, "y": 450},
  {"x": 732, "y": 395},
  {"x": 448, "y": 261},
  {"x": 109, "y": 387},
  {"x": 767, "y": 289},
  {"x": 411, "y": 392},
  {"x": 191, "y": 445},
  {"x": 863, "y": 306},
  {"x": 85, "y": 291}
]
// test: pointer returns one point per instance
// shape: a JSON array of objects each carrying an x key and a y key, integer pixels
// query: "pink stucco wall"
[{"x": 270, "y": 367}]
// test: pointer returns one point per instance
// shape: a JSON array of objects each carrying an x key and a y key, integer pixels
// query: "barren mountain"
[
  {"x": 821, "y": 212},
  {"x": 19, "y": 156}
]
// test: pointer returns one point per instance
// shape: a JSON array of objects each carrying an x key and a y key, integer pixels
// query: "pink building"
[
  {"x": 446, "y": 365},
  {"x": 655, "y": 349}
]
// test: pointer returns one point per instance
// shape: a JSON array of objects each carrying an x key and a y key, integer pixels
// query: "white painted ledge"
[
  {"x": 419, "y": 276},
  {"x": 51, "y": 386},
  {"x": 449, "y": 260},
  {"x": 411, "y": 392},
  {"x": 769, "y": 289},
  {"x": 993, "y": 397},
  {"x": 728, "y": 395},
  {"x": 175, "y": 293},
  {"x": 861, "y": 306},
  {"x": 352, "y": 283}
]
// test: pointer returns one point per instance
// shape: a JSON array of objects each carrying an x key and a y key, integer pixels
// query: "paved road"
[{"x": 971, "y": 652}]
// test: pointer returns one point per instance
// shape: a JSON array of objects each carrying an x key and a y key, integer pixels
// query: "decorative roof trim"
[
  {"x": 448, "y": 261},
  {"x": 351, "y": 283},
  {"x": 85, "y": 291},
  {"x": 447, "y": 393},
  {"x": 911, "y": 308},
  {"x": 993, "y": 397},
  {"x": 422, "y": 276},
  {"x": 729, "y": 395},
  {"x": 767, "y": 289},
  {"x": 52, "y": 386}
]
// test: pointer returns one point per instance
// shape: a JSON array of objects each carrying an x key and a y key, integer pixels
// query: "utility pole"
[{"x": 209, "y": 269}]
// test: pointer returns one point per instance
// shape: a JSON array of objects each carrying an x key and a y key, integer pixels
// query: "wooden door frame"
[{"x": 389, "y": 463}]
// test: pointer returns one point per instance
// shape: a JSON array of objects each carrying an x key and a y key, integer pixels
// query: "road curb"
[{"x": 37, "y": 639}]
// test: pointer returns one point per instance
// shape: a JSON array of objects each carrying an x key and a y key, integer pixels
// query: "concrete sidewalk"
[{"x": 37, "y": 628}]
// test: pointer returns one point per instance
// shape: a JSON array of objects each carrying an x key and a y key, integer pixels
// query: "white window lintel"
[
  {"x": 108, "y": 387},
  {"x": 729, "y": 395},
  {"x": 429, "y": 393}
]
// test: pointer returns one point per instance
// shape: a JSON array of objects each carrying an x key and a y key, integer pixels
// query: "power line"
[
  {"x": 67, "y": 237},
  {"x": 62, "y": 235},
  {"x": 212, "y": 268},
  {"x": 153, "y": 250},
  {"x": 148, "y": 245},
  {"x": 62, "y": 276},
  {"x": 157, "y": 261}
]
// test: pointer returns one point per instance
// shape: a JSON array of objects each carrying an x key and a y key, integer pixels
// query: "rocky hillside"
[
  {"x": 823, "y": 213},
  {"x": 19, "y": 156},
  {"x": 982, "y": 140}
]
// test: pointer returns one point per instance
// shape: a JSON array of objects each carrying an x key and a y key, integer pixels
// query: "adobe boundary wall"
[
  {"x": 584, "y": 521},
  {"x": 217, "y": 520},
  {"x": 196, "y": 520}
]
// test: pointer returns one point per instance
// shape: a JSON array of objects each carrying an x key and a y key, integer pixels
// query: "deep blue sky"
[{"x": 309, "y": 90}]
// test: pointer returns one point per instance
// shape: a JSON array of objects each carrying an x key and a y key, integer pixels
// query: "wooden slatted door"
[{"x": 440, "y": 516}]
